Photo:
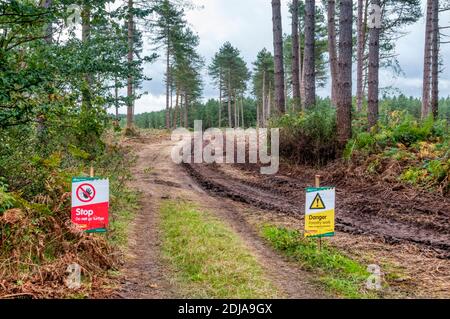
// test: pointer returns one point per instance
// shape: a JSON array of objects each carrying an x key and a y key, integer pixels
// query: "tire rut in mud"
[{"x": 357, "y": 212}]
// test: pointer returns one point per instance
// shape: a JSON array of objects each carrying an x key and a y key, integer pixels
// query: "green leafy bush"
[
  {"x": 6, "y": 199},
  {"x": 422, "y": 148},
  {"x": 308, "y": 137},
  {"x": 409, "y": 130}
]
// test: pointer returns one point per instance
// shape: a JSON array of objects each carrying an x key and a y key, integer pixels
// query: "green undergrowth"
[
  {"x": 38, "y": 240},
  {"x": 339, "y": 273},
  {"x": 208, "y": 258},
  {"x": 308, "y": 137},
  {"x": 418, "y": 151}
]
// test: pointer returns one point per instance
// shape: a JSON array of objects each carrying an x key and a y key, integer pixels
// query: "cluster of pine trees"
[
  {"x": 84, "y": 70},
  {"x": 378, "y": 26},
  {"x": 327, "y": 40}
]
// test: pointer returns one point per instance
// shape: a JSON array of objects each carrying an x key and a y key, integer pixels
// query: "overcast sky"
[{"x": 247, "y": 24}]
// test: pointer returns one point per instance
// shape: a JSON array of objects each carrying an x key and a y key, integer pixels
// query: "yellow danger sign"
[
  {"x": 317, "y": 203},
  {"x": 319, "y": 212}
]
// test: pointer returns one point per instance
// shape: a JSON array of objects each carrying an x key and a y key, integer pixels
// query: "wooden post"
[
  {"x": 317, "y": 185},
  {"x": 91, "y": 174}
]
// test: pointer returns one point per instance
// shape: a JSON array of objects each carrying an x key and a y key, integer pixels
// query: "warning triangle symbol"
[{"x": 317, "y": 203}]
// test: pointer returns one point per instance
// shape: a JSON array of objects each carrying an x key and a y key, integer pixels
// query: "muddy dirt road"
[
  {"x": 146, "y": 274},
  {"x": 393, "y": 215}
]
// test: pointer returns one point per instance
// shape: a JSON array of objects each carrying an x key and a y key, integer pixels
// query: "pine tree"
[
  {"x": 263, "y": 79},
  {"x": 278, "y": 56},
  {"x": 309, "y": 55},
  {"x": 361, "y": 35},
  {"x": 332, "y": 50},
  {"x": 167, "y": 28},
  {"x": 229, "y": 70},
  {"x": 130, "y": 60},
  {"x": 187, "y": 66},
  {"x": 427, "y": 60},
  {"x": 396, "y": 15},
  {"x": 344, "y": 96},
  {"x": 295, "y": 55},
  {"x": 435, "y": 61},
  {"x": 374, "y": 65}
]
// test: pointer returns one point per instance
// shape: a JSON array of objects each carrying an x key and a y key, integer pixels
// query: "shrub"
[
  {"x": 400, "y": 128},
  {"x": 6, "y": 199},
  {"x": 438, "y": 169},
  {"x": 308, "y": 137},
  {"x": 421, "y": 147},
  {"x": 410, "y": 131}
]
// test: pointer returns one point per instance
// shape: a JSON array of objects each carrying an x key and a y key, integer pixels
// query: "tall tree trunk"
[
  {"x": 427, "y": 60},
  {"x": 186, "y": 110},
  {"x": 286, "y": 87},
  {"x": 264, "y": 98},
  {"x": 295, "y": 56},
  {"x": 85, "y": 36},
  {"x": 181, "y": 109},
  {"x": 365, "y": 45},
  {"x": 278, "y": 56},
  {"x": 258, "y": 115},
  {"x": 171, "y": 107},
  {"x": 242, "y": 109},
  {"x": 309, "y": 64},
  {"x": 374, "y": 66},
  {"x": 177, "y": 109},
  {"x": 236, "y": 113},
  {"x": 220, "y": 98},
  {"x": 116, "y": 97},
  {"x": 130, "y": 97},
  {"x": 230, "y": 123},
  {"x": 300, "y": 63},
  {"x": 344, "y": 93},
  {"x": 435, "y": 59},
  {"x": 332, "y": 50},
  {"x": 361, "y": 32},
  {"x": 167, "y": 79},
  {"x": 269, "y": 102}
]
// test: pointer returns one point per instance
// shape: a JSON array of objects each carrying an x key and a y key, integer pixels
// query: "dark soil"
[{"x": 391, "y": 212}]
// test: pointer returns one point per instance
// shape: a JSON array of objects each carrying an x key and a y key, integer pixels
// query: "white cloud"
[{"x": 148, "y": 103}]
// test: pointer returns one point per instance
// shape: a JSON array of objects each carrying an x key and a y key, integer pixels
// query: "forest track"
[
  {"x": 423, "y": 220},
  {"x": 147, "y": 274}
]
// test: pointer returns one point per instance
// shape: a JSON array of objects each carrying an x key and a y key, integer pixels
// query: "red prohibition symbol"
[{"x": 85, "y": 193}]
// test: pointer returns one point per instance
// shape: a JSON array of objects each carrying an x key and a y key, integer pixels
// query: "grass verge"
[
  {"x": 209, "y": 259},
  {"x": 339, "y": 273},
  {"x": 124, "y": 206}
]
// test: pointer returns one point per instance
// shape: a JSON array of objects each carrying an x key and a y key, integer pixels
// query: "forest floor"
[{"x": 404, "y": 231}]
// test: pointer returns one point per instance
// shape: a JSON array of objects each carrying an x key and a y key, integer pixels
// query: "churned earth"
[{"x": 404, "y": 231}]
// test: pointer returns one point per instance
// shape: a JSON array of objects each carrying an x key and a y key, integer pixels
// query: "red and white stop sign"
[{"x": 90, "y": 203}]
